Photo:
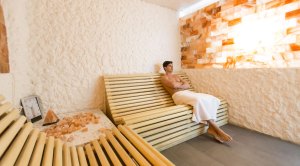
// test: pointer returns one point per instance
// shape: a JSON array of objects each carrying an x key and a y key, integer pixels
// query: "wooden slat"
[
  {"x": 110, "y": 151},
  {"x": 137, "y": 97},
  {"x": 48, "y": 152},
  {"x": 125, "y": 96},
  {"x": 133, "y": 84},
  {"x": 38, "y": 150},
  {"x": 8, "y": 119},
  {"x": 58, "y": 159},
  {"x": 66, "y": 155},
  {"x": 110, "y": 83},
  {"x": 74, "y": 157},
  {"x": 132, "y": 112},
  {"x": 145, "y": 151},
  {"x": 149, "y": 122},
  {"x": 100, "y": 153},
  {"x": 133, "y": 76},
  {"x": 162, "y": 123},
  {"x": 163, "y": 127},
  {"x": 125, "y": 157},
  {"x": 90, "y": 154},
  {"x": 12, "y": 153},
  {"x": 141, "y": 107},
  {"x": 130, "y": 148},
  {"x": 81, "y": 156},
  {"x": 129, "y": 88},
  {"x": 157, "y": 153},
  {"x": 10, "y": 134},
  {"x": 135, "y": 91},
  {"x": 27, "y": 150},
  {"x": 142, "y": 103},
  {"x": 141, "y": 99},
  {"x": 177, "y": 140},
  {"x": 5, "y": 108},
  {"x": 155, "y": 114}
]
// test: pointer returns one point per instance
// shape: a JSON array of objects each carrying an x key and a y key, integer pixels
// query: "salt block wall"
[
  {"x": 264, "y": 100},
  {"x": 252, "y": 33},
  {"x": 71, "y": 44}
]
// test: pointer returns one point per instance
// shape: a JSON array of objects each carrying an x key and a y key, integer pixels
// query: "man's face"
[{"x": 169, "y": 68}]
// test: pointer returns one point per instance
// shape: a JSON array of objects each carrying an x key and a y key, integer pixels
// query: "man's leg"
[{"x": 218, "y": 133}]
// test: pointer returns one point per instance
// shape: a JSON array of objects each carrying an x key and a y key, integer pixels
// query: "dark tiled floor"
[{"x": 247, "y": 148}]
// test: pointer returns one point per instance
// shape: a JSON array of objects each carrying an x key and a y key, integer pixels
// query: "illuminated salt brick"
[
  {"x": 227, "y": 5},
  {"x": 290, "y": 7},
  {"x": 216, "y": 43},
  {"x": 274, "y": 4},
  {"x": 295, "y": 47},
  {"x": 228, "y": 42},
  {"x": 293, "y": 30},
  {"x": 234, "y": 21},
  {"x": 211, "y": 50},
  {"x": 298, "y": 38},
  {"x": 290, "y": 1},
  {"x": 209, "y": 8},
  {"x": 191, "y": 66},
  {"x": 238, "y": 2},
  {"x": 287, "y": 56},
  {"x": 296, "y": 55},
  {"x": 290, "y": 39},
  {"x": 292, "y": 14},
  {"x": 290, "y": 23},
  {"x": 216, "y": 21},
  {"x": 228, "y": 48},
  {"x": 263, "y": 1}
]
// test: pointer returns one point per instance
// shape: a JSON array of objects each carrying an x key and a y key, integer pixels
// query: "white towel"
[{"x": 204, "y": 106}]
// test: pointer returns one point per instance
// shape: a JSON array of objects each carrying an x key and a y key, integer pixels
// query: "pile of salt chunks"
[{"x": 69, "y": 125}]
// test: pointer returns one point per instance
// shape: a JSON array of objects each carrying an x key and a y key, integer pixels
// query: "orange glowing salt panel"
[
  {"x": 293, "y": 30},
  {"x": 238, "y": 2},
  {"x": 295, "y": 47},
  {"x": 274, "y": 4},
  {"x": 290, "y": 1},
  {"x": 234, "y": 21},
  {"x": 228, "y": 42},
  {"x": 292, "y": 14}
]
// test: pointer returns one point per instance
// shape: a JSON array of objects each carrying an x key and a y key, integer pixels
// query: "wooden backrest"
[{"x": 132, "y": 94}]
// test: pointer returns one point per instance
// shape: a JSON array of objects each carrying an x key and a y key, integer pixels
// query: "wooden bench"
[
  {"x": 21, "y": 144},
  {"x": 141, "y": 102}
]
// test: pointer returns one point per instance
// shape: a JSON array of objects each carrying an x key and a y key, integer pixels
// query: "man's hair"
[{"x": 166, "y": 63}]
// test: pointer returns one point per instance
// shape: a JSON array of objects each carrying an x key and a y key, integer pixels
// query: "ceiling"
[{"x": 173, "y": 4}]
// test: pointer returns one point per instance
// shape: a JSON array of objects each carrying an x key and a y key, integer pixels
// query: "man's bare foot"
[
  {"x": 212, "y": 132},
  {"x": 219, "y": 134},
  {"x": 224, "y": 136}
]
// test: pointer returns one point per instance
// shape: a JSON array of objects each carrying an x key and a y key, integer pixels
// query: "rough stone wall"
[
  {"x": 73, "y": 43},
  {"x": 264, "y": 100}
]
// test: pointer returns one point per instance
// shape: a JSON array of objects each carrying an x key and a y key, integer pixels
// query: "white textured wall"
[
  {"x": 265, "y": 100},
  {"x": 72, "y": 43}
]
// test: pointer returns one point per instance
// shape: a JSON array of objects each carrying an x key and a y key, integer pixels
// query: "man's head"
[{"x": 168, "y": 66}]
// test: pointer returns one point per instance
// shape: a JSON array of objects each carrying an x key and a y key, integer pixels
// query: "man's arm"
[
  {"x": 175, "y": 85},
  {"x": 185, "y": 84}
]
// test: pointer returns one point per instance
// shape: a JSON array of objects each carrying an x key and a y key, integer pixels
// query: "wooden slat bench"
[
  {"x": 141, "y": 102},
  {"x": 21, "y": 144}
]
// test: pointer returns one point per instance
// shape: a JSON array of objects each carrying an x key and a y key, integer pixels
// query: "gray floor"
[{"x": 247, "y": 148}]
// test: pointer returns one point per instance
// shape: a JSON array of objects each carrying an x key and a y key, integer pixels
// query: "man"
[{"x": 204, "y": 106}]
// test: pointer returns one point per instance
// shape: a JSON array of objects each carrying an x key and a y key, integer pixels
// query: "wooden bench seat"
[
  {"x": 141, "y": 102},
  {"x": 21, "y": 144}
]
